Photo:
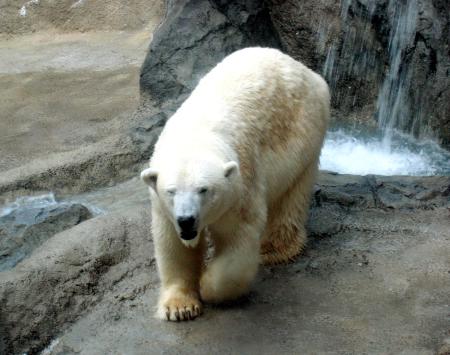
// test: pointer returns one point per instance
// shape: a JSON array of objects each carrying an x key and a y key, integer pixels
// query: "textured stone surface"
[
  {"x": 68, "y": 275},
  {"x": 25, "y": 228},
  {"x": 70, "y": 83},
  {"x": 194, "y": 37}
]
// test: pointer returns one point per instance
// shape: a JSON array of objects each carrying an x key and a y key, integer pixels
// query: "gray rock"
[
  {"x": 194, "y": 37},
  {"x": 411, "y": 192},
  {"x": 70, "y": 273},
  {"x": 27, "y": 226}
]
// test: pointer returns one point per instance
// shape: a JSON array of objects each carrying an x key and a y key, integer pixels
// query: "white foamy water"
[{"x": 350, "y": 153}]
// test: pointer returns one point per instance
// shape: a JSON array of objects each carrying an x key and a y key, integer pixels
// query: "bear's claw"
[{"x": 182, "y": 313}]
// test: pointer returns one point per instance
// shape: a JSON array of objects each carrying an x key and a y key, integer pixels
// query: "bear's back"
[
  {"x": 256, "y": 99},
  {"x": 247, "y": 91}
]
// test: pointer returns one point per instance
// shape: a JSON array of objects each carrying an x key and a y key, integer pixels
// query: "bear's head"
[{"x": 194, "y": 193}]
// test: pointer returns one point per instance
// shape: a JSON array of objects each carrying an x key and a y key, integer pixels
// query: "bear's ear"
[
  {"x": 230, "y": 168},
  {"x": 150, "y": 176}
]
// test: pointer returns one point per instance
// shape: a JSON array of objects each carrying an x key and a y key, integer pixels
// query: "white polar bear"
[{"x": 236, "y": 164}]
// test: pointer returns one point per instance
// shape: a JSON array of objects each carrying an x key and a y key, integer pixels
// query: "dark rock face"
[
  {"x": 193, "y": 38},
  {"x": 430, "y": 63},
  {"x": 346, "y": 51},
  {"x": 24, "y": 229}
]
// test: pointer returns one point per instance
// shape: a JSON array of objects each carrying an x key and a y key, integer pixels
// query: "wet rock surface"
[
  {"x": 373, "y": 51},
  {"x": 26, "y": 227},
  {"x": 373, "y": 278}
]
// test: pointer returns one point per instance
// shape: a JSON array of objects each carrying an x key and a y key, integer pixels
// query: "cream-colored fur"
[{"x": 241, "y": 154}]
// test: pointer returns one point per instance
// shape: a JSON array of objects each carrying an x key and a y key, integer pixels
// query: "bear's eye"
[
  {"x": 171, "y": 192},
  {"x": 202, "y": 190}
]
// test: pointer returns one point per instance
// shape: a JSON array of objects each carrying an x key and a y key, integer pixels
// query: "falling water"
[
  {"x": 393, "y": 104},
  {"x": 392, "y": 150},
  {"x": 353, "y": 55}
]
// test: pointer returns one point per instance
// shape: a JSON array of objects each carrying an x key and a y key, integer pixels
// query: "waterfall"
[
  {"x": 362, "y": 61},
  {"x": 356, "y": 65},
  {"x": 351, "y": 56},
  {"x": 393, "y": 107}
]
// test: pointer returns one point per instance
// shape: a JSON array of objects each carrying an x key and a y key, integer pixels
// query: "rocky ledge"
[{"x": 373, "y": 279}]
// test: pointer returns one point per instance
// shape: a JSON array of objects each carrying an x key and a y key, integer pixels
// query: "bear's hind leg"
[{"x": 285, "y": 235}]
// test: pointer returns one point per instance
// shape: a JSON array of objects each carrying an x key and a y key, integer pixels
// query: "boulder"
[
  {"x": 68, "y": 274},
  {"x": 30, "y": 223}
]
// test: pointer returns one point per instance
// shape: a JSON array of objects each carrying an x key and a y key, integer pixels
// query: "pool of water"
[{"x": 353, "y": 151}]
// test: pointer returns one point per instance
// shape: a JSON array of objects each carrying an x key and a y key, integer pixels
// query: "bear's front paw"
[{"x": 176, "y": 305}]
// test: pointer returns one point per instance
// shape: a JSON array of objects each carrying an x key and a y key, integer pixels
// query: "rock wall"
[{"x": 385, "y": 60}]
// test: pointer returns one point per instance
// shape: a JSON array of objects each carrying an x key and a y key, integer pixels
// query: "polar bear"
[{"x": 235, "y": 165}]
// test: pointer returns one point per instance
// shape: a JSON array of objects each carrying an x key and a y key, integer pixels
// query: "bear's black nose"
[
  {"x": 188, "y": 227},
  {"x": 186, "y": 222}
]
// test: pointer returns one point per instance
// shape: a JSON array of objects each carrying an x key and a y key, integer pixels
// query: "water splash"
[{"x": 357, "y": 152}]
